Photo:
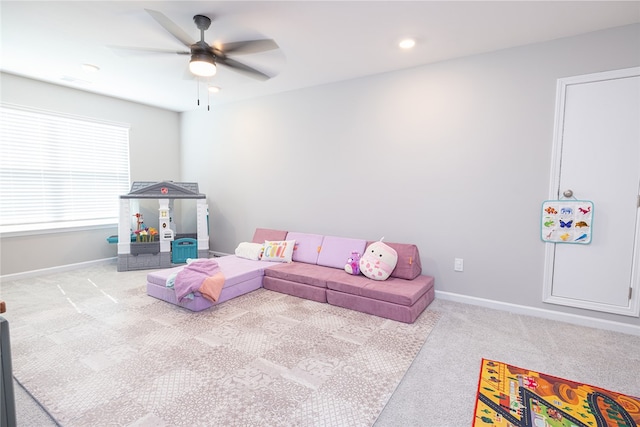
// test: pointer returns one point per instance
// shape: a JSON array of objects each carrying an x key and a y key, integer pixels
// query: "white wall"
[
  {"x": 454, "y": 157},
  {"x": 154, "y": 137}
]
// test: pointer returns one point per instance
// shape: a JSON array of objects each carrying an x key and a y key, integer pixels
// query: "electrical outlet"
[{"x": 458, "y": 264}]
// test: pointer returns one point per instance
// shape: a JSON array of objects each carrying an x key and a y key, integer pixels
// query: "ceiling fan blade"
[
  {"x": 249, "y": 46},
  {"x": 171, "y": 27},
  {"x": 131, "y": 50},
  {"x": 242, "y": 68}
]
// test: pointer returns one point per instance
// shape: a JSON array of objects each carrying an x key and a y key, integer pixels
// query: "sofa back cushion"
[
  {"x": 307, "y": 246},
  {"x": 336, "y": 251},
  {"x": 262, "y": 234},
  {"x": 408, "y": 266}
]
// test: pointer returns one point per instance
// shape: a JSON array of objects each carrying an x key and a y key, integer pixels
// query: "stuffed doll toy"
[
  {"x": 353, "y": 264},
  {"x": 378, "y": 261}
]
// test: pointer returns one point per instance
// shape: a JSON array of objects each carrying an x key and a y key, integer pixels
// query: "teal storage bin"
[{"x": 182, "y": 249}]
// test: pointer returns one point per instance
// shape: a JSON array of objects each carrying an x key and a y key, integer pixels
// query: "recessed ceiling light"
[
  {"x": 90, "y": 68},
  {"x": 407, "y": 43},
  {"x": 70, "y": 79},
  {"x": 214, "y": 89}
]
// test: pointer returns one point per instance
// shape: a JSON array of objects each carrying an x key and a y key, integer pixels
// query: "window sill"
[{"x": 65, "y": 227}]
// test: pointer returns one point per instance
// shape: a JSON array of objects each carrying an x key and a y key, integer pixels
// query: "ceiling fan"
[{"x": 205, "y": 57}]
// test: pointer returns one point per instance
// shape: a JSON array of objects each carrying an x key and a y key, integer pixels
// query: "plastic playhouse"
[{"x": 147, "y": 247}]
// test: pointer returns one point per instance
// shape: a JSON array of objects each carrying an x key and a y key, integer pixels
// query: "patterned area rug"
[
  {"x": 95, "y": 350},
  {"x": 512, "y": 396}
]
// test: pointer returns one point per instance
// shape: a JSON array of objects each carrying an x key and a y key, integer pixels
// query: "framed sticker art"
[{"x": 567, "y": 221}]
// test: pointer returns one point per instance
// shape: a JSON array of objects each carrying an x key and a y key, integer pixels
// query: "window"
[{"x": 60, "y": 171}]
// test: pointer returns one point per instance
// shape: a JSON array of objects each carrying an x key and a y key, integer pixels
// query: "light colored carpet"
[
  {"x": 439, "y": 389},
  {"x": 94, "y": 349},
  {"x": 462, "y": 337}
]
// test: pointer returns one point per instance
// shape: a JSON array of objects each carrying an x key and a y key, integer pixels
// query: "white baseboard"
[
  {"x": 540, "y": 312},
  {"x": 57, "y": 269}
]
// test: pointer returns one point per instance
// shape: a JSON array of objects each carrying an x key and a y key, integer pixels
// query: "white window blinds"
[{"x": 58, "y": 171}]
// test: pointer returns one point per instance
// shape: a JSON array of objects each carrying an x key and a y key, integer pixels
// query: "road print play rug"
[{"x": 511, "y": 396}]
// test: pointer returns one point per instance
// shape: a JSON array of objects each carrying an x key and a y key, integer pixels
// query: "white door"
[{"x": 597, "y": 157}]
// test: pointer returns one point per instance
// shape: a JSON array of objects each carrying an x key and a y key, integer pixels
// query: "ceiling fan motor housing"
[
  {"x": 200, "y": 50},
  {"x": 202, "y": 22}
]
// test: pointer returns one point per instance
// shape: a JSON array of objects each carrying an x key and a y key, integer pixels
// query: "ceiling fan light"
[
  {"x": 90, "y": 68},
  {"x": 202, "y": 65}
]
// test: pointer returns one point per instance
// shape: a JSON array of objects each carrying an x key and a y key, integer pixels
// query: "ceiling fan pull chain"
[{"x": 198, "y": 89}]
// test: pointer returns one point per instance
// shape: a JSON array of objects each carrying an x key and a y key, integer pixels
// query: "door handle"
[{"x": 568, "y": 193}]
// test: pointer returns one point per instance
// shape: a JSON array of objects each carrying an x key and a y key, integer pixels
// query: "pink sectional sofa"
[{"x": 317, "y": 273}]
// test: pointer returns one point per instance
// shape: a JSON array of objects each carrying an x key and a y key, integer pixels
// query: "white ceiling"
[{"x": 320, "y": 42}]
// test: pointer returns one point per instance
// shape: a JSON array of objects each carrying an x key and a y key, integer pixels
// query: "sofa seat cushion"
[
  {"x": 308, "y": 274},
  {"x": 392, "y": 290},
  {"x": 297, "y": 289},
  {"x": 241, "y": 276},
  {"x": 400, "y": 313},
  {"x": 235, "y": 269}
]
